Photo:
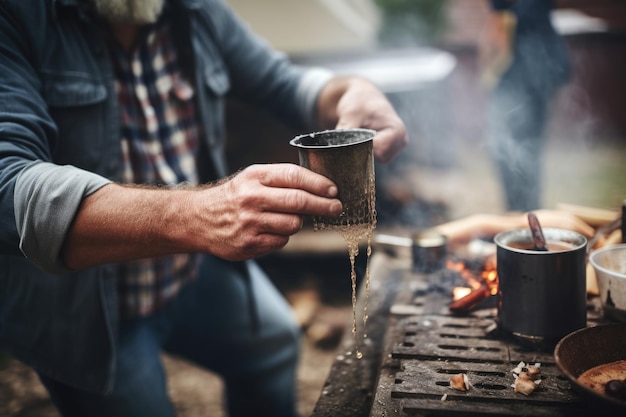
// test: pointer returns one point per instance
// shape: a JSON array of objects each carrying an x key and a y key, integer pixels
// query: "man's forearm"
[
  {"x": 247, "y": 215},
  {"x": 120, "y": 223},
  {"x": 68, "y": 218}
]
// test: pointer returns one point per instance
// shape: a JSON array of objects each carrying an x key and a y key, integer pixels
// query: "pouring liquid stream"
[
  {"x": 353, "y": 235},
  {"x": 346, "y": 157},
  {"x": 355, "y": 227}
]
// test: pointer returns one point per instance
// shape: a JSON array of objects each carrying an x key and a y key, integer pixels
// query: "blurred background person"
[{"x": 525, "y": 62}]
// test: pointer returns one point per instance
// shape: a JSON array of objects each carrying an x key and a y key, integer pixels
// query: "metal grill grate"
[{"x": 428, "y": 345}]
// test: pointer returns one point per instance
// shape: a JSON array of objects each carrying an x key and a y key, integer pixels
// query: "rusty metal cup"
[
  {"x": 542, "y": 294},
  {"x": 346, "y": 157}
]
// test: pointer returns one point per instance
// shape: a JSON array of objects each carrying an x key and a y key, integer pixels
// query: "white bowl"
[{"x": 609, "y": 264}]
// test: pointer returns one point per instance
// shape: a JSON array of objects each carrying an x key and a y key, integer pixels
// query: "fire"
[
  {"x": 490, "y": 275},
  {"x": 460, "y": 292},
  {"x": 481, "y": 284},
  {"x": 487, "y": 277}
]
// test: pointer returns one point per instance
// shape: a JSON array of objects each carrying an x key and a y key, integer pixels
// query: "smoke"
[{"x": 540, "y": 133}]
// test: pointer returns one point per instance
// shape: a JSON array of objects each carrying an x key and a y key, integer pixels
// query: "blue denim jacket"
[{"x": 59, "y": 142}]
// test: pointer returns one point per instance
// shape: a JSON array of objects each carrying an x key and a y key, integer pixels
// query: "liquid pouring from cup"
[{"x": 346, "y": 157}]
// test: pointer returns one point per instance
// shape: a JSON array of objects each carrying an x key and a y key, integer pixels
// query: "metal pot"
[{"x": 542, "y": 295}]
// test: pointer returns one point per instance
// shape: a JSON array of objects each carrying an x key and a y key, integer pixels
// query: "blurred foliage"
[{"x": 411, "y": 22}]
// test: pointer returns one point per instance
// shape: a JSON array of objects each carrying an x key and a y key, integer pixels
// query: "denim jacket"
[{"x": 59, "y": 142}]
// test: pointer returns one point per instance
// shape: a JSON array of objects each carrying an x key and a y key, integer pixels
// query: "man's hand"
[
  {"x": 242, "y": 217},
  {"x": 256, "y": 211},
  {"x": 353, "y": 102}
]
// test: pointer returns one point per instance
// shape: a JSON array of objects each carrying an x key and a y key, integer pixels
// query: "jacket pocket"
[
  {"x": 77, "y": 103},
  {"x": 72, "y": 89}
]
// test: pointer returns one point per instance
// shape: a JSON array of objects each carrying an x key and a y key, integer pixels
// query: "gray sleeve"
[
  {"x": 308, "y": 91},
  {"x": 47, "y": 197}
]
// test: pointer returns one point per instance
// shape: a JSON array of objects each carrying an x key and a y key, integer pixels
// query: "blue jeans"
[{"x": 213, "y": 323}]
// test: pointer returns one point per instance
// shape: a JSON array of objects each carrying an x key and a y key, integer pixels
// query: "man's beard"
[{"x": 129, "y": 11}]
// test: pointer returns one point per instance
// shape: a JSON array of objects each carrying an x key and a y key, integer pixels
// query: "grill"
[
  {"x": 415, "y": 345},
  {"x": 427, "y": 346}
]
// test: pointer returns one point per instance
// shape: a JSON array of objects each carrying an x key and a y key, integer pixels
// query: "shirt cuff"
[
  {"x": 311, "y": 83},
  {"x": 47, "y": 197}
]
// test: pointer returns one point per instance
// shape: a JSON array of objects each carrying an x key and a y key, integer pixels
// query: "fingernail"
[
  {"x": 332, "y": 191},
  {"x": 337, "y": 207}
]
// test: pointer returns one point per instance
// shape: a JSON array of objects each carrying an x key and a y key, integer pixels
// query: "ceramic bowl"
[{"x": 609, "y": 264}]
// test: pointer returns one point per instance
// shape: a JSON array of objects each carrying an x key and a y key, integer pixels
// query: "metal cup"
[
  {"x": 429, "y": 251},
  {"x": 345, "y": 156},
  {"x": 542, "y": 295}
]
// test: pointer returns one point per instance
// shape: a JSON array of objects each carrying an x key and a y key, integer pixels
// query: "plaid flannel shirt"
[{"x": 160, "y": 141}]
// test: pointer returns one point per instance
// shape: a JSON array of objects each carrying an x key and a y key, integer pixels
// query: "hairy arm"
[{"x": 242, "y": 217}]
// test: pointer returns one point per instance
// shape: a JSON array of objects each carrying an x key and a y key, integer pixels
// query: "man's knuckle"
[
  {"x": 296, "y": 201},
  {"x": 293, "y": 174}
]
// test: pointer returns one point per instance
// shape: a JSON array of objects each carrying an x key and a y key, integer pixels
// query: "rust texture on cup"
[{"x": 346, "y": 157}]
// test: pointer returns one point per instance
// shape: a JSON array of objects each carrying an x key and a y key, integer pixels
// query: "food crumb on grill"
[
  {"x": 524, "y": 386},
  {"x": 533, "y": 372},
  {"x": 444, "y": 397},
  {"x": 527, "y": 377},
  {"x": 460, "y": 382}
]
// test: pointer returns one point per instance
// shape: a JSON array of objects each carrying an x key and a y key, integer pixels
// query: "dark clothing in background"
[{"x": 520, "y": 106}]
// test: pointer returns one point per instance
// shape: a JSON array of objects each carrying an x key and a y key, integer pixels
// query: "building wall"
[{"x": 297, "y": 26}]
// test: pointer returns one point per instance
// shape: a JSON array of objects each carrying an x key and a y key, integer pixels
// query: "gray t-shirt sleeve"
[{"x": 47, "y": 197}]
